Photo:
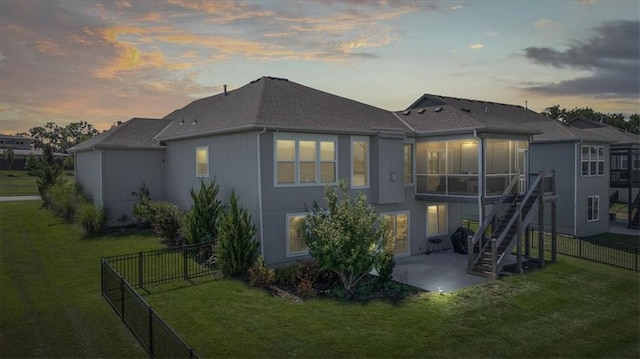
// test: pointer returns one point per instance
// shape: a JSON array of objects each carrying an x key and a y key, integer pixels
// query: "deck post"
[
  {"x": 494, "y": 258},
  {"x": 470, "y": 253},
  {"x": 541, "y": 222},
  {"x": 519, "y": 240}
]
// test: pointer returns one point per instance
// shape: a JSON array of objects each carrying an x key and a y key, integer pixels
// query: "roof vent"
[
  {"x": 194, "y": 122},
  {"x": 407, "y": 112},
  {"x": 437, "y": 109},
  {"x": 422, "y": 110},
  {"x": 181, "y": 122},
  {"x": 486, "y": 109},
  {"x": 465, "y": 109}
]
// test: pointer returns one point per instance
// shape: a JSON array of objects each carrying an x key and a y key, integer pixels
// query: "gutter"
[{"x": 259, "y": 165}]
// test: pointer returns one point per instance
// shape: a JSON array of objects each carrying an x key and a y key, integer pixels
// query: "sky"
[{"x": 108, "y": 61}]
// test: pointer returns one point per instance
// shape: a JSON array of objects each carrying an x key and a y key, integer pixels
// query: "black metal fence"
[
  {"x": 146, "y": 268},
  {"x": 593, "y": 250}
]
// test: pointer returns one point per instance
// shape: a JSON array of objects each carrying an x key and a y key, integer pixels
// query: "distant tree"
[
  {"x": 634, "y": 123},
  {"x": 555, "y": 113},
  {"x": 613, "y": 119},
  {"x": 10, "y": 157},
  {"x": 61, "y": 138}
]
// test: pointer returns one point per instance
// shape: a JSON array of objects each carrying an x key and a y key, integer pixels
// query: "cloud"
[
  {"x": 545, "y": 24},
  {"x": 611, "y": 54},
  {"x": 476, "y": 46},
  {"x": 491, "y": 34},
  {"x": 456, "y": 7}
]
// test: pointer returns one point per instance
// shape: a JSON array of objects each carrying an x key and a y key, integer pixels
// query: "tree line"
[{"x": 632, "y": 124}]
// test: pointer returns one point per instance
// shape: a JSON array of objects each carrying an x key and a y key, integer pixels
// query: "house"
[
  {"x": 278, "y": 143},
  {"x": 22, "y": 148},
  {"x": 578, "y": 157}
]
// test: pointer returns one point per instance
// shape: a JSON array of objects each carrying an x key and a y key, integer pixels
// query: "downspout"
[
  {"x": 575, "y": 188},
  {"x": 481, "y": 180},
  {"x": 260, "y": 190}
]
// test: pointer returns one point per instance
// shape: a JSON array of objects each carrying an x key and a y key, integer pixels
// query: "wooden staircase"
[
  {"x": 488, "y": 256},
  {"x": 634, "y": 218}
]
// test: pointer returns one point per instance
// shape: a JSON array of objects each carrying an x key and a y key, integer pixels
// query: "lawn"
[
  {"x": 51, "y": 307},
  {"x": 50, "y": 288},
  {"x": 14, "y": 183}
]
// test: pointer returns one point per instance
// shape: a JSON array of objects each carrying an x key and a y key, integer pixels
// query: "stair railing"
[{"x": 476, "y": 241}]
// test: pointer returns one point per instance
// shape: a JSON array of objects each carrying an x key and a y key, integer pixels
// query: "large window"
[
  {"x": 304, "y": 160},
  {"x": 202, "y": 161},
  {"x": 436, "y": 219},
  {"x": 407, "y": 163},
  {"x": 295, "y": 234},
  {"x": 593, "y": 208},
  {"x": 592, "y": 160},
  {"x": 399, "y": 231},
  {"x": 359, "y": 162}
]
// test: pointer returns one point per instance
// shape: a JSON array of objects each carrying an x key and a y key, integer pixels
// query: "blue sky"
[{"x": 66, "y": 61}]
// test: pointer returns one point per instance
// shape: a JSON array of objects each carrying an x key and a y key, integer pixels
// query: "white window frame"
[
  {"x": 288, "y": 251},
  {"x": 446, "y": 219},
  {"x": 364, "y": 139},
  {"x": 206, "y": 149},
  {"x": 297, "y": 137},
  {"x": 413, "y": 163},
  {"x": 408, "y": 213},
  {"x": 593, "y": 215},
  {"x": 591, "y": 161}
]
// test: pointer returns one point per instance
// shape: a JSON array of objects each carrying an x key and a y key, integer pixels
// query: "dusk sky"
[{"x": 104, "y": 61}]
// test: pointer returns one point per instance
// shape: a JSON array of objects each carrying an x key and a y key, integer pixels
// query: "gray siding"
[
  {"x": 88, "y": 170},
  {"x": 124, "y": 172},
  {"x": 386, "y": 161},
  {"x": 593, "y": 186}
]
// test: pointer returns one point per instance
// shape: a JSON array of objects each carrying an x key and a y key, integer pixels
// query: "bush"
[
  {"x": 385, "y": 261},
  {"x": 48, "y": 173},
  {"x": 167, "y": 222},
  {"x": 32, "y": 165},
  {"x": 260, "y": 275},
  {"x": 143, "y": 211},
  {"x": 91, "y": 218},
  {"x": 64, "y": 199},
  {"x": 288, "y": 276},
  {"x": 200, "y": 220},
  {"x": 67, "y": 163},
  {"x": 237, "y": 248}
]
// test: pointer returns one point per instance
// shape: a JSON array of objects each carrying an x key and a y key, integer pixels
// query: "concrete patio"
[{"x": 443, "y": 270}]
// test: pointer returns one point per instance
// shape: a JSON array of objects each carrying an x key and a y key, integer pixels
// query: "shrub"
[
  {"x": 385, "y": 261},
  {"x": 305, "y": 288},
  {"x": 91, "y": 218},
  {"x": 67, "y": 163},
  {"x": 64, "y": 199},
  {"x": 288, "y": 276},
  {"x": 143, "y": 211},
  {"x": 167, "y": 222},
  {"x": 344, "y": 237},
  {"x": 32, "y": 165},
  {"x": 200, "y": 220},
  {"x": 237, "y": 248},
  {"x": 48, "y": 172},
  {"x": 260, "y": 275}
]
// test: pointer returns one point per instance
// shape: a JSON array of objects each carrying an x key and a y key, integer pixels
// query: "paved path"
[{"x": 19, "y": 198}]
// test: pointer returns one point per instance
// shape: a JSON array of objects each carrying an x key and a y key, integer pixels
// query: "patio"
[{"x": 445, "y": 270}]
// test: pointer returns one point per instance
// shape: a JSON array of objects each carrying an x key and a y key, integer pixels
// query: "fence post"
[
  {"x": 102, "y": 276},
  {"x": 122, "y": 298},
  {"x": 494, "y": 257},
  {"x": 151, "y": 351},
  {"x": 140, "y": 270},
  {"x": 184, "y": 260},
  {"x": 636, "y": 259}
]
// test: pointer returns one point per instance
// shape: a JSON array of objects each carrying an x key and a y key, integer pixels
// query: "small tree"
[
  {"x": 67, "y": 164},
  {"x": 237, "y": 248},
  {"x": 48, "y": 172},
  {"x": 344, "y": 238},
  {"x": 32, "y": 165},
  {"x": 10, "y": 157},
  {"x": 200, "y": 220}
]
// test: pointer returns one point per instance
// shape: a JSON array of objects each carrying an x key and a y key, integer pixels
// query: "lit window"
[
  {"x": 295, "y": 235},
  {"x": 302, "y": 159},
  {"x": 202, "y": 161},
  {"x": 407, "y": 164},
  {"x": 592, "y": 160},
  {"x": 436, "y": 219},
  {"x": 399, "y": 231},
  {"x": 360, "y": 162},
  {"x": 593, "y": 208}
]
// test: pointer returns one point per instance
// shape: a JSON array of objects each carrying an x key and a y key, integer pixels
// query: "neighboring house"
[
  {"x": 278, "y": 143},
  {"x": 624, "y": 179},
  {"x": 21, "y": 147},
  {"x": 579, "y": 158}
]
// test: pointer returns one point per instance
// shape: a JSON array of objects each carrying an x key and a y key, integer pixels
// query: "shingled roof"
[
  {"x": 617, "y": 135},
  {"x": 276, "y": 103},
  {"x": 492, "y": 114},
  {"x": 137, "y": 133}
]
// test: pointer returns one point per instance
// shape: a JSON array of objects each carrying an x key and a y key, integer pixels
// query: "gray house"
[
  {"x": 278, "y": 143},
  {"x": 580, "y": 159}
]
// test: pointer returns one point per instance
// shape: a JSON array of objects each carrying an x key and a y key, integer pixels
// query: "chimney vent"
[{"x": 225, "y": 90}]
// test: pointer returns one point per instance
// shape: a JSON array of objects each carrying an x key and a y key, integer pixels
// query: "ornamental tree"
[{"x": 346, "y": 237}]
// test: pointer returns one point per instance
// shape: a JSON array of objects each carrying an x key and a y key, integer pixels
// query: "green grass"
[
  {"x": 50, "y": 302},
  {"x": 17, "y": 183},
  {"x": 51, "y": 307},
  {"x": 570, "y": 309},
  {"x": 615, "y": 238}
]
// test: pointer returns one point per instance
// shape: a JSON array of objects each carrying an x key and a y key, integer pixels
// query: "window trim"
[
  {"x": 446, "y": 219},
  {"x": 594, "y": 209},
  {"x": 206, "y": 149},
  {"x": 296, "y": 138},
  {"x": 591, "y": 161},
  {"x": 290, "y": 254},
  {"x": 368, "y": 162},
  {"x": 395, "y": 213}
]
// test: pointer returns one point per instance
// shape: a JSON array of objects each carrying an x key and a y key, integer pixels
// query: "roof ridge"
[{"x": 261, "y": 97}]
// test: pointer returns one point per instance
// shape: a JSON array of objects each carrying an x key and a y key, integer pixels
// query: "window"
[
  {"x": 593, "y": 208},
  {"x": 399, "y": 230},
  {"x": 202, "y": 161},
  {"x": 436, "y": 219},
  {"x": 407, "y": 164},
  {"x": 592, "y": 160},
  {"x": 304, "y": 160},
  {"x": 295, "y": 235},
  {"x": 359, "y": 162}
]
